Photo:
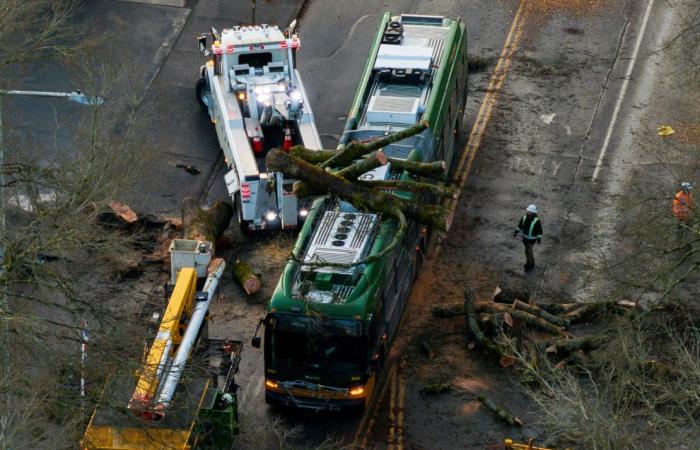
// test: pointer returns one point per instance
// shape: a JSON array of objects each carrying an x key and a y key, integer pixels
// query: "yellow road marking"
[
  {"x": 466, "y": 161},
  {"x": 392, "y": 414},
  {"x": 362, "y": 434},
  {"x": 399, "y": 414}
]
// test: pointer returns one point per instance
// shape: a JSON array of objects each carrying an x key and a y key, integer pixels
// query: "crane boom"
[{"x": 203, "y": 415}]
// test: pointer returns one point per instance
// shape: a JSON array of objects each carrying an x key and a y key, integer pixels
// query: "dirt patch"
[{"x": 687, "y": 133}]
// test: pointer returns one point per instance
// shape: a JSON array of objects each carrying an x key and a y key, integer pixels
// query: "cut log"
[
  {"x": 201, "y": 225},
  {"x": 473, "y": 325},
  {"x": 123, "y": 212},
  {"x": 532, "y": 309},
  {"x": 587, "y": 310},
  {"x": 362, "y": 198},
  {"x": 524, "y": 316},
  {"x": 504, "y": 295},
  {"x": 246, "y": 277},
  {"x": 558, "y": 308},
  {"x": 370, "y": 162},
  {"x": 502, "y": 413},
  {"x": 448, "y": 309},
  {"x": 565, "y": 347},
  {"x": 356, "y": 150}
]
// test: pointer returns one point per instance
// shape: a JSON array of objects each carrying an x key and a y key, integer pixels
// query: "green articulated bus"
[{"x": 328, "y": 328}]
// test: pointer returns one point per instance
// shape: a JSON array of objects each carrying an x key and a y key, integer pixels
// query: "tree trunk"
[
  {"x": 310, "y": 155},
  {"x": 209, "y": 225},
  {"x": 532, "y": 309},
  {"x": 360, "y": 197},
  {"x": 246, "y": 277}
]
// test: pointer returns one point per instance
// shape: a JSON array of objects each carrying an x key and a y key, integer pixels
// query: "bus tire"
[{"x": 202, "y": 90}]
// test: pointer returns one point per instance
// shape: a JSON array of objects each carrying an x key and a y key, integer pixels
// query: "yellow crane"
[{"x": 151, "y": 413}]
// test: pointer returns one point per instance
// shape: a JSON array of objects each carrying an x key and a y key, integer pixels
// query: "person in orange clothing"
[{"x": 683, "y": 209}]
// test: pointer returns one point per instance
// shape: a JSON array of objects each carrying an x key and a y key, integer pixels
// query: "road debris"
[
  {"x": 665, "y": 130},
  {"x": 435, "y": 389},
  {"x": 189, "y": 168},
  {"x": 502, "y": 413}
]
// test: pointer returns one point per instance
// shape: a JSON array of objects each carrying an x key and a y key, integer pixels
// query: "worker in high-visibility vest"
[
  {"x": 531, "y": 228},
  {"x": 683, "y": 209}
]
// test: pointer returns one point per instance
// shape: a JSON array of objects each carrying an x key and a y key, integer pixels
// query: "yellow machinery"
[{"x": 153, "y": 413}]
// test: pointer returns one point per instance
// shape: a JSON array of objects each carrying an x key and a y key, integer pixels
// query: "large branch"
[
  {"x": 360, "y": 197},
  {"x": 356, "y": 150},
  {"x": 435, "y": 170},
  {"x": 371, "y": 162}
]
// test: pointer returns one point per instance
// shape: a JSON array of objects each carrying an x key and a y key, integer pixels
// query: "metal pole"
[
  {"x": 172, "y": 377},
  {"x": 37, "y": 93}
]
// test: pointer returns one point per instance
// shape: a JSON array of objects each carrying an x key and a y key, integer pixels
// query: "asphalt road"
[{"x": 557, "y": 102}]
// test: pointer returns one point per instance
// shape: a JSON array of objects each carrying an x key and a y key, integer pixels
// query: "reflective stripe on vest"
[{"x": 532, "y": 227}]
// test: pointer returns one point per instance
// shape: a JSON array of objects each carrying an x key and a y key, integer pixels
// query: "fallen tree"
[{"x": 209, "y": 225}]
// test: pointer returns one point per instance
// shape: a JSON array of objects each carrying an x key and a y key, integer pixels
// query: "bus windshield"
[{"x": 312, "y": 346}]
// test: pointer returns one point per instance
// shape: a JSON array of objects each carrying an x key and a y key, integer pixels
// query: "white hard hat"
[
  {"x": 532, "y": 209},
  {"x": 687, "y": 186}
]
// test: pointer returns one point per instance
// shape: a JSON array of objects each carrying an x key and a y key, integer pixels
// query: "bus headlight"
[
  {"x": 271, "y": 384},
  {"x": 303, "y": 212},
  {"x": 356, "y": 391}
]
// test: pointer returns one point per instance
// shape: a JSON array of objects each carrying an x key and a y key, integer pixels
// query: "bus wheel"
[{"x": 203, "y": 93}]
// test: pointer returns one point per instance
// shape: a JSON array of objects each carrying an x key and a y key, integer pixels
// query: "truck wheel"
[{"x": 203, "y": 93}]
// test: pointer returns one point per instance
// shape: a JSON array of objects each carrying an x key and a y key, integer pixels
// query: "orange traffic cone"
[
  {"x": 287, "y": 143},
  {"x": 257, "y": 143}
]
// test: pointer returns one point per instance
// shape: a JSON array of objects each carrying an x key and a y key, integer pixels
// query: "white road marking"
[
  {"x": 623, "y": 90},
  {"x": 349, "y": 36},
  {"x": 547, "y": 118}
]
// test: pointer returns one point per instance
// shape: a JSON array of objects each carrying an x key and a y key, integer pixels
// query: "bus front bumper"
[{"x": 312, "y": 403}]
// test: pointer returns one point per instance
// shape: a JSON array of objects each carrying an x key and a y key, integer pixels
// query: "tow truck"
[
  {"x": 184, "y": 394},
  {"x": 256, "y": 100}
]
